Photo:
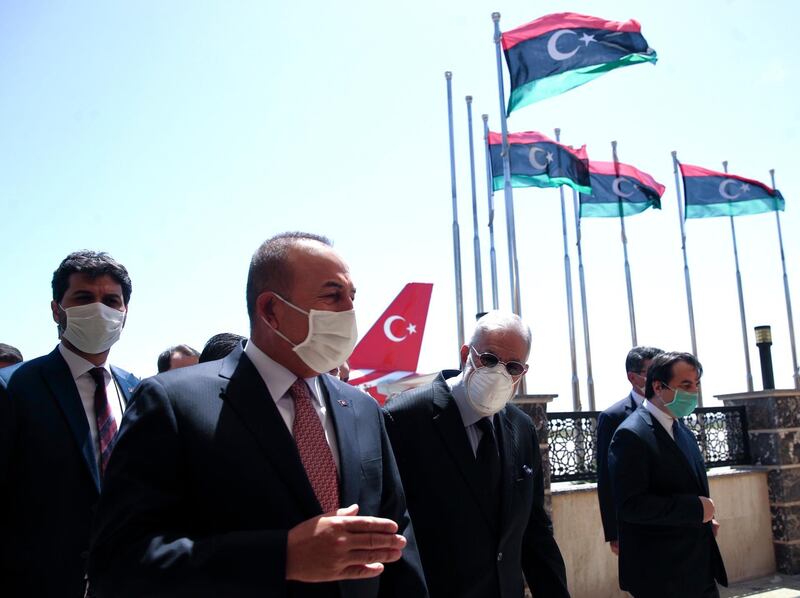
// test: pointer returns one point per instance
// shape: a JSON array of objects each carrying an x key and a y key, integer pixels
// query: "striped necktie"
[{"x": 106, "y": 424}]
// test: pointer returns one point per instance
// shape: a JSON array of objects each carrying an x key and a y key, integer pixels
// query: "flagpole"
[
  {"x": 795, "y": 371},
  {"x": 584, "y": 309},
  {"x": 490, "y": 196},
  {"x": 456, "y": 234},
  {"x": 745, "y": 343},
  {"x": 576, "y": 391},
  {"x": 513, "y": 263},
  {"x": 476, "y": 242},
  {"x": 686, "y": 278},
  {"x": 631, "y": 312}
]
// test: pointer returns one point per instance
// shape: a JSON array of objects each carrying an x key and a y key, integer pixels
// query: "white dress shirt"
[
  {"x": 637, "y": 398},
  {"x": 79, "y": 368},
  {"x": 278, "y": 380},
  {"x": 662, "y": 418},
  {"x": 469, "y": 416}
]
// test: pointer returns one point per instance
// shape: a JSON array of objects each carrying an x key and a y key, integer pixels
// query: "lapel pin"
[
  {"x": 526, "y": 470},
  {"x": 343, "y": 403}
]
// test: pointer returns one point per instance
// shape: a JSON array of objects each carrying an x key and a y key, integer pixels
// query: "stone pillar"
[
  {"x": 773, "y": 420},
  {"x": 535, "y": 406}
]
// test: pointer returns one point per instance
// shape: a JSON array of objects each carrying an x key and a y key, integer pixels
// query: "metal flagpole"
[
  {"x": 584, "y": 309},
  {"x": 685, "y": 263},
  {"x": 513, "y": 263},
  {"x": 745, "y": 343},
  {"x": 576, "y": 391},
  {"x": 456, "y": 234},
  {"x": 795, "y": 371},
  {"x": 490, "y": 195},
  {"x": 631, "y": 312},
  {"x": 476, "y": 242}
]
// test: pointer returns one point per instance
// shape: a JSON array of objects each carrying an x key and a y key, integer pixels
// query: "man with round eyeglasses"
[{"x": 472, "y": 471}]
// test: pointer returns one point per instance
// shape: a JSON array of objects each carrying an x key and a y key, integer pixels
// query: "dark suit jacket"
[
  {"x": 206, "y": 481},
  {"x": 607, "y": 423},
  {"x": 664, "y": 547},
  {"x": 463, "y": 555},
  {"x": 49, "y": 480}
]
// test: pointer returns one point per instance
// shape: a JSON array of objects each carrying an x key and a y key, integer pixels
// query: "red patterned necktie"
[
  {"x": 106, "y": 425},
  {"x": 315, "y": 453}
]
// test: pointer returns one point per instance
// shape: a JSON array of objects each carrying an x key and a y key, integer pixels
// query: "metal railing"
[{"x": 721, "y": 434}]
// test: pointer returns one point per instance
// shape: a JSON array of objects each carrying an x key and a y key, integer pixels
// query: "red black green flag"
[
  {"x": 619, "y": 190},
  {"x": 558, "y": 52},
  {"x": 538, "y": 161},
  {"x": 709, "y": 193}
]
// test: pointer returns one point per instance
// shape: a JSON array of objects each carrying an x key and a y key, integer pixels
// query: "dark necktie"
[
  {"x": 686, "y": 442},
  {"x": 106, "y": 425},
  {"x": 315, "y": 453},
  {"x": 488, "y": 461}
]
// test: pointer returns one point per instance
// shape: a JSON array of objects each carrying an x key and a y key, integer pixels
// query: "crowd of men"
[{"x": 248, "y": 469}]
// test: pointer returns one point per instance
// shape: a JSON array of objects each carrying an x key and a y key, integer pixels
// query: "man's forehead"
[
  {"x": 79, "y": 281},
  {"x": 504, "y": 342},
  {"x": 683, "y": 371}
]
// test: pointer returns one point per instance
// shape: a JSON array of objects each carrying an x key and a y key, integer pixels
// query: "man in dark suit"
[
  {"x": 608, "y": 421},
  {"x": 258, "y": 474},
  {"x": 472, "y": 471},
  {"x": 667, "y": 530},
  {"x": 58, "y": 417}
]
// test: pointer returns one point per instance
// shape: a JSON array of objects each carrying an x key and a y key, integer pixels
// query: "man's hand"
[
  {"x": 715, "y": 527},
  {"x": 708, "y": 508},
  {"x": 341, "y": 545},
  {"x": 614, "y": 544}
]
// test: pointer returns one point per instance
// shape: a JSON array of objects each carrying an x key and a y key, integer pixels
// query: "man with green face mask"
[{"x": 666, "y": 524}]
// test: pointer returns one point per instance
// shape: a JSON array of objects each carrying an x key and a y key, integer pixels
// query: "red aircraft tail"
[{"x": 394, "y": 341}]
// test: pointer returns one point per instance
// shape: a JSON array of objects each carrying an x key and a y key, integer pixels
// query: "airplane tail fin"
[{"x": 395, "y": 339}]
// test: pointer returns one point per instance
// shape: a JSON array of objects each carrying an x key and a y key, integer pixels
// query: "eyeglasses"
[{"x": 490, "y": 360}]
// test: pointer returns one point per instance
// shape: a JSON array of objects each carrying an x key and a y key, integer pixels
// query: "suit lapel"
[
  {"x": 508, "y": 442},
  {"x": 59, "y": 379},
  {"x": 247, "y": 394},
  {"x": 669, "y": 445},
  {"x": 448, "y": 422},
  {"x": 631, "y": 406},
  {"x": 126, "y": 382},
  {"x": 344, "y": 422}
]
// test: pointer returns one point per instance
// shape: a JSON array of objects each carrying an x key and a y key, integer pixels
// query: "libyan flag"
[
  {"x": 709, "y": 193},
  {"x": 619, "y": 190},
  {"x": 558, "y": 52},
  {"x": 538, "y": 161}
]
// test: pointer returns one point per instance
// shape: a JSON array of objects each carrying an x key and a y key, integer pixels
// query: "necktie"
[
  {"x": 686, "y": 442},
  {"x": 106, "y": 425},
  {"x": 315, "y": 453},
  {"x": 487, "y": 459}
]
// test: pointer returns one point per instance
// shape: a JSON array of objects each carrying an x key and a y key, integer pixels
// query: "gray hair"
[{"x": 501, "y": 320}]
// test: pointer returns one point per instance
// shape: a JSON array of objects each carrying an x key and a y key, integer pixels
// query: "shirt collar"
[
  {"x": 277, "y": 378},
  {"x": 468, "y": 415},
  {"x": 78, "y": 366},
  {"x": 637, "y": 398},
  {"x": 664, "y": 419}
]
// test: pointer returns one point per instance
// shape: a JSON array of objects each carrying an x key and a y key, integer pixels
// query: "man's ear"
[
  {"x": 265, "y": 307},
  {"x": 464, "y": 355},
  {"x": 54, "y": 308},
  {"x": 630, "y": 378}
]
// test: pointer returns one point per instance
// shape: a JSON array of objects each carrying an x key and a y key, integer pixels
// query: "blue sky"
[{"x": 179, "y": 135}]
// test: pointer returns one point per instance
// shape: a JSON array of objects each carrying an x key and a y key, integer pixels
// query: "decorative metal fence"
[{"x": 721, "y": 433}]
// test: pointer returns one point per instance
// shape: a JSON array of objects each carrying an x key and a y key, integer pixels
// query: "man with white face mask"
[
  {"x": 260, "y": 474},
  {"x": 472, "y": 471},
  {"x": 636, "y": 364},
  {"x": 59, "y": 415}
]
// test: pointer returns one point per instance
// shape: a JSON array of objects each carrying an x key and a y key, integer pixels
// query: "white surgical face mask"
[
  {"x": 331, "y": 337},
  {"x": 93, "y": 328},
  {"x": 488, "y": 389}
]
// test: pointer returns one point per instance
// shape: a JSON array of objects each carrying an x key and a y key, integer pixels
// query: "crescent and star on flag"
[
  {"x": 534, "y": 160},
  {"x": 727, "y": 194},
  {"x": 387, "y": 329},
  {"x": 552, "y": 44}
]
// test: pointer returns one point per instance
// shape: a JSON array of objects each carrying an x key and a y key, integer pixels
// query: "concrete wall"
[{"x": 745, "y": 537}]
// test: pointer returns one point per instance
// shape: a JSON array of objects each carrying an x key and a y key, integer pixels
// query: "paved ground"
[{"x": 777, "y": 586}]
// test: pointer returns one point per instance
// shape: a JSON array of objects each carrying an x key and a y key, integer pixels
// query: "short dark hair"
[
  {"x": 165, "y": 359},
  {"x": 93, "y": 264},
  {"x": 660, "y": 369},
  {"x": 637, "y": 356},
  {"x": 10, "y": 354},
  {"x": 270, "y": 269},
  {"x": 220, "y": 345}
]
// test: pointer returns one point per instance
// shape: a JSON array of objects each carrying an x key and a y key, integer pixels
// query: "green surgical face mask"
[{"x": 683, "y": 404}]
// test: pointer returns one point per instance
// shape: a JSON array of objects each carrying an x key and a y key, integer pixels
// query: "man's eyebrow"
[{"x": 337, "y": 285}]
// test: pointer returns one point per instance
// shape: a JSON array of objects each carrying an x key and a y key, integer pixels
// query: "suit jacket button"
[{"x": 499, "y": 556}]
